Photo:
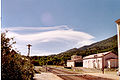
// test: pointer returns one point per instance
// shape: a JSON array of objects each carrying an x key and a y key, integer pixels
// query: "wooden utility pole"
[
  {"x": 29, "y": 45},
  {"x": 118, "y": 38},
  {"x": 103, "y": 65}
]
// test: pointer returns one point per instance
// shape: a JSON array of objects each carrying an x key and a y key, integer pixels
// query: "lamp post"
[
  {"x": 29, "y": 45},
  {"x": 118, "y": 38}
]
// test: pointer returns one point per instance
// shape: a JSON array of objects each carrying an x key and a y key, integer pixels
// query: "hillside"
[{"x": 109, "y": 44}]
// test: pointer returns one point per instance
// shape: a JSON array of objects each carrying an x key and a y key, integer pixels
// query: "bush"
[{"x": 14, "y": 66}]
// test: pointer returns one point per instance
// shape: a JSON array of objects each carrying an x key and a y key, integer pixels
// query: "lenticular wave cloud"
[{"x": 61, "y": 34}]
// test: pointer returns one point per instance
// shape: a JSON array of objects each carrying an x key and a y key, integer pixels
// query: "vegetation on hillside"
[
  {"x": 109, "y": 44},
  {"x": 13, "y": 65}
]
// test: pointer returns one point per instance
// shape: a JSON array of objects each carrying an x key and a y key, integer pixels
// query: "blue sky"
[{"x": 54, "y": 26}]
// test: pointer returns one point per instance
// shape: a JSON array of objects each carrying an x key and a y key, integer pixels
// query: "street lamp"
[
  {"x": 118, "y": 38},
  {"x": 29, "y": 45}
]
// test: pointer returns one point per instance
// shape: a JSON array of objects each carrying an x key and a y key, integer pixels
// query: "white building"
[
  {"x": 75, "y": 61},
  {"x": 100, "y": 60}
]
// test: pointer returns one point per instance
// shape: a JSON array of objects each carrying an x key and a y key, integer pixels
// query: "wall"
[
  {"x": 97, "y": 62},
  {"x": 107, "y": 57},
  {"x": 92, "y": 63},
  {"x": 69, "y": 64},
  {"x": 112, "y": 63}
]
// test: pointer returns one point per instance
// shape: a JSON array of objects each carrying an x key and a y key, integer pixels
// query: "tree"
[{"x": 14, "y": 66}]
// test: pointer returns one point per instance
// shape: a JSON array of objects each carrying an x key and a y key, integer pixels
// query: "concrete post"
[
  {"x": 29, "y": 49},
  {"x": 118, "y": 38}
]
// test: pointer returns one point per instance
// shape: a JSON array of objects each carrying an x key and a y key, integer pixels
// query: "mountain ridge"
[{"x": 109, "y": 44}]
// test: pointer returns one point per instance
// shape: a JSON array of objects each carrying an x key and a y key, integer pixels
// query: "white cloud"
[
  {"x": 36, "y": 28},
  {"x": 60, "y": 34},
  {"x": 84, "y": 42}
]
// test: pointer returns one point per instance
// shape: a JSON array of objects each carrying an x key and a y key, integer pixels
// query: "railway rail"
[{"x": 67, "y": 75}]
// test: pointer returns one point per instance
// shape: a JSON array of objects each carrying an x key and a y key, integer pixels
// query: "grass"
[
  {"x": 53, "y": 66},
  {"x": 92, "y": 70},
  {"x": 79, "y": 69},
  {"x": 111, "y": 71}
]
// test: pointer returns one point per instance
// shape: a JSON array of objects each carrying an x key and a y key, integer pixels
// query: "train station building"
[
  {"x": 75, "y": 61},
  {"x": 100, "y": 60}
]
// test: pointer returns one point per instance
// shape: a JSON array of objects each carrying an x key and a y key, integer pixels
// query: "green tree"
[{"x": 14, "y": 66}]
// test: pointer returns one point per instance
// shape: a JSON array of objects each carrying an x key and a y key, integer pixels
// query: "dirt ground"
[
  {"x": 110, "y": 76},
  {"x": 70, "y": 75},
  {"x": 78, "y": 73},
  {"x": 107, "y": 73},
  {"x": 46, "y": 76},
  {"x": 95, "y": 72}
]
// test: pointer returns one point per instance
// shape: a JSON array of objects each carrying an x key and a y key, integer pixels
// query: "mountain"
[
  {"x": 104, "y": 44},
  {"x": 109, "y": 44}
]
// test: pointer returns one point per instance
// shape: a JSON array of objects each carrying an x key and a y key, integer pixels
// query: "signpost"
[{"x": 118, "y": 36}]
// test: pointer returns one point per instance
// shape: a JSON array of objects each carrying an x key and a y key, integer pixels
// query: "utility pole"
[
  {"x": 118, "y": 38},
  {"x": 103, "y": 65},
  {"x": 29, "y": 45}
]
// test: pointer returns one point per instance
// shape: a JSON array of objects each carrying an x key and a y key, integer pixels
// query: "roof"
[
  {"x": 117, "y": 21},
  {"x": 96, "y": 55},
  {"x": 113, "y": 59},
  {"x": 70, "y": 60},
  {"x": 76, "y": 60}
]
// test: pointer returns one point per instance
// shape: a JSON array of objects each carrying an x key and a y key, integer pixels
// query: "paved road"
[{"x": 67, "y": 75}]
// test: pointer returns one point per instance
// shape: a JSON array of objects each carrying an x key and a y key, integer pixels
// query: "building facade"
[
  {"x": 106, "y": 60},
  {"x": 75, "y": 61}
]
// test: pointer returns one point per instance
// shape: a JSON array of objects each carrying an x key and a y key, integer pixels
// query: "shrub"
[{"x": 14, "y": 66}]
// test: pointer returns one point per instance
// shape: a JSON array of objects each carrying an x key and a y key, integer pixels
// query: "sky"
[{"x": 54, "y": 26}]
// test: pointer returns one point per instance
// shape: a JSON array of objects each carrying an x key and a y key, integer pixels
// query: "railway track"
[{"x": 66, "y": 75}]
